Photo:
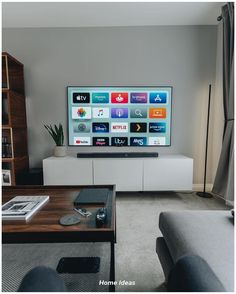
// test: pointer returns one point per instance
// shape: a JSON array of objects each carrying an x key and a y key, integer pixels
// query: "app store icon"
[{"x": 158, "y": 97}]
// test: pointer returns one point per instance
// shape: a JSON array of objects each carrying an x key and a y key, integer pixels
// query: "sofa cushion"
[
  {"x": 191, "y": 273},
  {"x": 208, "y": 234}
]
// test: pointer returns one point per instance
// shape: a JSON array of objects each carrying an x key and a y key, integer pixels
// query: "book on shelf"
[
  {"x": 23, "y": 207},
  {"x": 6, "y": 177}
]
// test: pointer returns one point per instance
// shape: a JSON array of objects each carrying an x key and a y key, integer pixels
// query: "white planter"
[{"x": 60, "y": 151}]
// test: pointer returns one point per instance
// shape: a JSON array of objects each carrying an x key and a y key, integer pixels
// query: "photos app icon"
[{"x": 81, "y": 112}]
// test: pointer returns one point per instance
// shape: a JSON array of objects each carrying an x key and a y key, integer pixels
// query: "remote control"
[{"x": 83, "y": 211}]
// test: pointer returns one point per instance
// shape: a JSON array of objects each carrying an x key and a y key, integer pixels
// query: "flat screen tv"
[{"x": 119, "y": 116}]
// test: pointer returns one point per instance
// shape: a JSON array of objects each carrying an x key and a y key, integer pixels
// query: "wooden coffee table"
[{"x": 44, "y": 226}]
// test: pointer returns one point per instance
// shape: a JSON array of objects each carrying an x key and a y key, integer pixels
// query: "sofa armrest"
[
  {"x": 191, "y": 273},
  {"x": 164, "y": 256},
  {"x": 42, "y": 279}
]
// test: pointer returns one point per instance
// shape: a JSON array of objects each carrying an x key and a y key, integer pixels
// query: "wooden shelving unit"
[{"x": 14, "y": 127}]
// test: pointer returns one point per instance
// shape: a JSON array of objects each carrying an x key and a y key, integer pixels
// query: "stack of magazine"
[{"x": 22, "y": 207}]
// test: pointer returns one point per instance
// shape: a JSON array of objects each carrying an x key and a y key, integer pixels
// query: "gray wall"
[{"x": 180, "y": 56}]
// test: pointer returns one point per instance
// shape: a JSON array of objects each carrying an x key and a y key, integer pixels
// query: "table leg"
[{"x": 112, "y": 267}]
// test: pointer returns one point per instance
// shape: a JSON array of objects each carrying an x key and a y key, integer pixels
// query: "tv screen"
[{"x": 119, "y": 116}]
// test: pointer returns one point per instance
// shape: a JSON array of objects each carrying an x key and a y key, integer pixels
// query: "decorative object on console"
[
  {"x": 60, "y": 151},
  {"x": 58, "y": 136}
]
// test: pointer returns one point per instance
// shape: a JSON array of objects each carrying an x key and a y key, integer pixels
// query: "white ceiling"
[{"x": 102, "y": 14}]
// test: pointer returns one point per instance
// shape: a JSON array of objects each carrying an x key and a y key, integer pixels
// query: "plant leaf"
[{"x": 56, "y": 133}]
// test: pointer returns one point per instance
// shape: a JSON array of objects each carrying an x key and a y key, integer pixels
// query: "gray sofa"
[{"x": 207, "y": 234}]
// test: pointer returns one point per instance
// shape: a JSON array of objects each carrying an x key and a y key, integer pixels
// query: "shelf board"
[
  {"x": 11, "y": 57},
  {"x": 7, "y": 90},
  {"x": 5, "y": 159},
  {"x": 8, "y": 127}
]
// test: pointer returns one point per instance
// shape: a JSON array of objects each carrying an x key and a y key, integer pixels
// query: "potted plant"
[{"x": 58, "y": 136}]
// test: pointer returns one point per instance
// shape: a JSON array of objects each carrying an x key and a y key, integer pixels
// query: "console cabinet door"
[
  {"x": 67, "y": 171},
  {"x": 126, "y": 174},
  {"x": 168, "y": 173}
]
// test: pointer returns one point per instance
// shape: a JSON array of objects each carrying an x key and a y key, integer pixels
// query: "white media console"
[{"x": 167, "y": 172}]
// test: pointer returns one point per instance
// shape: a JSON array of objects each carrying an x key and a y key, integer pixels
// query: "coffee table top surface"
[{"x": 44, "y": 225}]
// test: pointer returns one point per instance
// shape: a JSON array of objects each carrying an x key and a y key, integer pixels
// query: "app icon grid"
[{"x": 119, "y": 116}]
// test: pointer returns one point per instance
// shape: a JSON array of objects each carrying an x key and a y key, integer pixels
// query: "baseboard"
[{"x": 199, "y": 187}]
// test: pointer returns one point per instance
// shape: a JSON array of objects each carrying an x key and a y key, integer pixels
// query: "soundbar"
[{"x": 116, "y": 154}]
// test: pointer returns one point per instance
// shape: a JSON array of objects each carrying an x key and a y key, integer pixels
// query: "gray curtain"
[{"x": 224, "y": 180}]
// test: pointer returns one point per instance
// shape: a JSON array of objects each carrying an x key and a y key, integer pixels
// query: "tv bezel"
[{"x": 109, "y": 146}]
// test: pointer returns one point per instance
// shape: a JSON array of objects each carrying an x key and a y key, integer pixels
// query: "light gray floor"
[{"x": 136, "y": 259}]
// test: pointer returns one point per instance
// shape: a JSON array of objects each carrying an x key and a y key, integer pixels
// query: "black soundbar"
[{"x": 117, "y": 154}]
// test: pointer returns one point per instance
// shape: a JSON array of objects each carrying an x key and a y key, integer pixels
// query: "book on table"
[
  {"x": 89, "y": 196},
  {"x": 23, "y": 207}
]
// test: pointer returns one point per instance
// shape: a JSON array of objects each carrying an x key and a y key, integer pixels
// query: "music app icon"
[
  {"x": 157, "y": 112},
  {"x": 100, "y": 112}
]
